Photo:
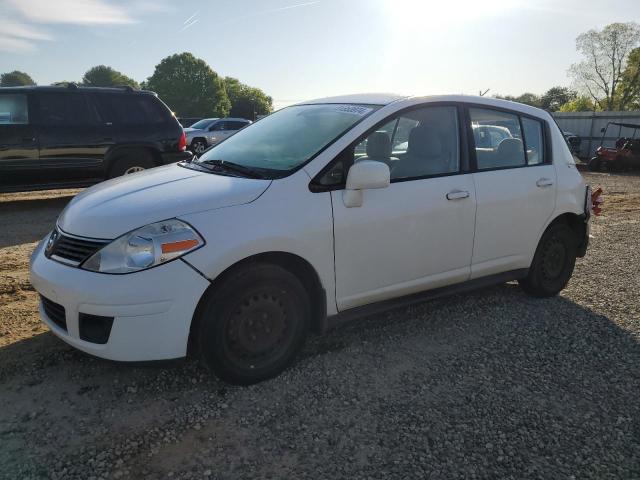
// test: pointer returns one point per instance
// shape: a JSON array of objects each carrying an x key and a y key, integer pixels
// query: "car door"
[
  {"x": 515, "y": 189},
  {"x": 417, "y": 233},
  {"x": 18, "y": 142},
  {"x": 218, "y": 132},
  {"x": 70, "y": 137}
]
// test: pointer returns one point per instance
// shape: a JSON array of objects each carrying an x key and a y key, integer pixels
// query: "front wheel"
[
  {"x": 553, "y": 262},
  {"x": 252, "y": 326},
  {"x": 198, "y": 147}
]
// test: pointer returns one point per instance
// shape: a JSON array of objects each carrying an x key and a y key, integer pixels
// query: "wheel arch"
[
  {"x": 577, "y": 224},
  {"x": 120, "y": 151},
  {"x": 291, "y": 262}
]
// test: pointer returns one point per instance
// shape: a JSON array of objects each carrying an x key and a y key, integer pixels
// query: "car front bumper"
[{"x": 151, "y": 310}]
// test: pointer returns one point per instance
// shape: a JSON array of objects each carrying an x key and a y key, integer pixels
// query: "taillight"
[{"x": 182, "y": 143}]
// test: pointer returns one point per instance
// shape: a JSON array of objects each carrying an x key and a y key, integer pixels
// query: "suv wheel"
[
  {"x": 131, "y": 163},
  {"x": 553, "y": 262},
  {"x": 198, "y": 146},
  {"x": 252, "y": 326}
]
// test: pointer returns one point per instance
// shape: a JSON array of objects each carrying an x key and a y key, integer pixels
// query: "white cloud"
[
  {"x": 18, "y": 37},
  {"x": 76, "y": 12}
]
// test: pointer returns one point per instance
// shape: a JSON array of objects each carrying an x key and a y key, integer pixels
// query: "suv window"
[
  {"x": 129, "y": 109},
  {"x": 65, "y": 109},
  {"x": 13, "y": 109},
  {"x": 218, "y": 127},
  {"x": 509, "y": 151},
  {"x": 236, "y": 125}
]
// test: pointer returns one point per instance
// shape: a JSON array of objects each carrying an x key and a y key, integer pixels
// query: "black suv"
[{"x": 57, "y": 137}]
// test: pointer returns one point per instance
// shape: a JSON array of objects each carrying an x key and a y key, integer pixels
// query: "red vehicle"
[{"x": 624, "y": 156}]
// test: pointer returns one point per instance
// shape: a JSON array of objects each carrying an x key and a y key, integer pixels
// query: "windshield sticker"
[{"x": 354, "y": 109}]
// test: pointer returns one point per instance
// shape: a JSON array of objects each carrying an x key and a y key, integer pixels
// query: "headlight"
[{"x": 145, "y": 247}]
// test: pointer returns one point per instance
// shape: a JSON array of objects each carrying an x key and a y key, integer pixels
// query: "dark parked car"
[{"x": 57, "y": 137}]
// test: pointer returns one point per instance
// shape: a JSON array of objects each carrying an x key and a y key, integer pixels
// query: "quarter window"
[
  {"x": 498, "y": 139},
  {"x": 13, "y": 109},
  {"x": 534, "y": 139}
]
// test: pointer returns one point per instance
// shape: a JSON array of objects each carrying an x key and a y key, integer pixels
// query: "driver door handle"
[
  {"x": 544, "y": 182},
  {"x": 457, "y": 195}
]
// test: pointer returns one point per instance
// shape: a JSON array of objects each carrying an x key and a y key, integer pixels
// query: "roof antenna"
[{"x": 482, "y": 94}]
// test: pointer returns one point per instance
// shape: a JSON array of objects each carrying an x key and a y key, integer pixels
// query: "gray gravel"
[{"x": 492, "y": 384}]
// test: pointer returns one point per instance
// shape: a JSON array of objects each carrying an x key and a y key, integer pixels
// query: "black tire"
[
  {"x": 251, "y": 327},
  {"x": 131, "y": 162},
  {"x": 553, "y": 262},
  {"x": 594, "y": 164},
  {"x": 198, "y": 146}
]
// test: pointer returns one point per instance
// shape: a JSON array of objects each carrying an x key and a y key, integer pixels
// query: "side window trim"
[
  {"x": 546, "y": 138},
  {"x": 464, "y": 165}
]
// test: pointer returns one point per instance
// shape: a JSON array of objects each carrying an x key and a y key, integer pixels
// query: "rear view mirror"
[{"x": 364, "y": 175}]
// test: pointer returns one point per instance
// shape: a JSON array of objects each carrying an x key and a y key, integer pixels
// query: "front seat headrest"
[{"x": 378, "y": 145}]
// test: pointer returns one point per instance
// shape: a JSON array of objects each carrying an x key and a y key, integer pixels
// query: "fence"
[{"x": 588, "y": 125}]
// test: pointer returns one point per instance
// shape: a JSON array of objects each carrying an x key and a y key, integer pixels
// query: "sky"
[{"x": 301, "y": 49}]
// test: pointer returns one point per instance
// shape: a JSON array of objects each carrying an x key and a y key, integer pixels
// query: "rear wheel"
[
  {"x": 252, "y": 326},
  {"x": 553, "y": 262},
  {"x": 135, "y": 161},
  {"x": 594, "y": 164}
]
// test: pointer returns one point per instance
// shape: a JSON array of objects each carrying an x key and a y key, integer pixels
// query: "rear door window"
[
  {"x": 65, "y": 110},
  {"x": 14, "y": 109},
  {"x": 498, "y": 139}
]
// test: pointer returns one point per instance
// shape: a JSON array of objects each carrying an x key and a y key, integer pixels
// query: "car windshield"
[
  {"x": 200, "y": 124},
  {"x": 288, "y": 138}
]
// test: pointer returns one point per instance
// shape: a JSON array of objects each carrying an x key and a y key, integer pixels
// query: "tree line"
[
  {"x": 607, "y": 77},
  {"x": 187, "y": 84}
]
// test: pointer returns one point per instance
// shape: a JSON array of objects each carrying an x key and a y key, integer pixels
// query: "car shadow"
[{"x": 28, "y": 220}]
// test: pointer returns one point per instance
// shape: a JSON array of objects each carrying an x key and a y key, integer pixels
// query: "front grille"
[
  {"x": 73, "y": 249},
  {"x": 55, "y": 312}
]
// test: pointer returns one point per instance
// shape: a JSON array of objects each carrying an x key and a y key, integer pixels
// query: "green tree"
[
  {"x": 555, "y": 97},
  {"x": 189, "y": 86},
  {"x": 581, "y": 103},
  {"x": 15, "y": 79},
  {"x": 247, "y": 102},
  {"x": 605, "y": 54},
  {"x": 629, "y": 90},
  {"x": 103, "y": 76}
]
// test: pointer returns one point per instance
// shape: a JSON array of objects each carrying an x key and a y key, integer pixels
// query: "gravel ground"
[{"x": 492, "y": 384}]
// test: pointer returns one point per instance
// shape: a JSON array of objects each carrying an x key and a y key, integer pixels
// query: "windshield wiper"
[{"x": 232, "y": 167}]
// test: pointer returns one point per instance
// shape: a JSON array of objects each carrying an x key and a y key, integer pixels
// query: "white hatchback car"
[{"x": 309, "y": 216}]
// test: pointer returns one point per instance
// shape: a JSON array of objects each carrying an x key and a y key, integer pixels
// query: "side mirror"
[{"x": 364, "y": 175}]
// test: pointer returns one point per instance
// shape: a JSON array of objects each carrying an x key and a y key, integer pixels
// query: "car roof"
[
  {"x": 74, "y": 88},
  {"x": 388, "y": 98}
]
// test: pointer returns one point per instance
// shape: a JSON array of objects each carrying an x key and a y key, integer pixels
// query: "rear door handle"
[
  {"x": 544, "y": 182},
  {"x": 457, "y": 195}
]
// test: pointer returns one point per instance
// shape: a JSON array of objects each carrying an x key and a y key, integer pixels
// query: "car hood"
[{"x": 117, "y": 206}]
